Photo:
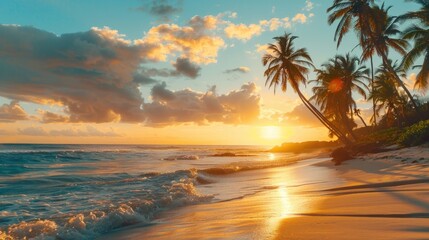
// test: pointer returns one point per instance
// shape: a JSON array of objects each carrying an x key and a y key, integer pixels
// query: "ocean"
[{"x": 89, "y": 191}]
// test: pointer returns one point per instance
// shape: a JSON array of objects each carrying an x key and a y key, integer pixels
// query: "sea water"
[{"x": 85, "y": 191}]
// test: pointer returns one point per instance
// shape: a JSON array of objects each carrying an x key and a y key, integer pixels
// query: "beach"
[
  {"x": 190, "y": 192},
  {"x": 384, "y": 196},
  {"x": 375, "y": 196}
]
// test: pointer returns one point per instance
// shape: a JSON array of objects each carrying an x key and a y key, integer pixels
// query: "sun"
[{"x": 271, "y": 132}]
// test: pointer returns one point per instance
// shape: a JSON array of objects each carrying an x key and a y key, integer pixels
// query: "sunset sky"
[{"x": 156, "y": 72}]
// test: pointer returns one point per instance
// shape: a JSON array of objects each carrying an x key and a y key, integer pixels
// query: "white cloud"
[
  {"x": 195, "y": 41},
  {"x": 300, "y": 17},
  {"x": 308, "y": 5},
  {"x": 242, "y": 31}
]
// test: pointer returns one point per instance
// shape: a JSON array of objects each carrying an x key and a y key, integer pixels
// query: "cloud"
[
  {"x": 183, "y": 67},
  {"x": 50, "y": 117},
  {"x": 308, "y": 5},
  {"x": 238, "y": 70},
  {"x": 245, "y": 32},
  {"x": 187, "y": 106},
  {"x": 186, "y": 68},
  {"x": 33, "y": 131},
  {"x": 161, "y": 9},
  {"x": 142, "y": 79},
  {"x": 275, "y": 23},
  {"x": 195, "y": 41},
  {"x": 299, "y": 17},
  {"x": 242, "y": 31},
  {"x": 12, "y": 112},
  {"x": 301, "y": 116},
  {"x": 232, "y": 15},
  {"x": 90, "y": 74},
  {"x": 69, "y": 132},
  {"x": 263, "y": 48}
]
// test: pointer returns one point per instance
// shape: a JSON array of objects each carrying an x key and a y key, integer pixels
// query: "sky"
[{"x": 157, "y": 72}]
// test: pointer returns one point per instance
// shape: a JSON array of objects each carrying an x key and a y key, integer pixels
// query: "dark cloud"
[
  {"x": 90, "y": 73},
  {"x": 142, "y": 79},
  {"x": 300, "y": 115},
  {"x": 238, "y": 70},
  {"x": 88, "y": 132},
  {"x": 12, "y": 112},
  {"x": 95, "y": 76},
  {"x": 183, "y": 67},
  {"x": 187, "y": 106},
  {"x": 161, "y": 9}
]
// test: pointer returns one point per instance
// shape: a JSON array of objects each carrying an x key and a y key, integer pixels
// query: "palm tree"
[
  {"x": 336, "y": 82},
  {"x": 387, "y": 97},
  {"x": 420, "y": 35},
  {"x": 287, "y": 66},
  {"x": 357, "y": 113},
  {"x": 422, "y": 14},
  {"x": 353, "y": 14},
  {"x": 382, "y": 38}
]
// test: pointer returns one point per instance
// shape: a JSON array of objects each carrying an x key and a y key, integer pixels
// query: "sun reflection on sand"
[{"x": 285, "y": 205}]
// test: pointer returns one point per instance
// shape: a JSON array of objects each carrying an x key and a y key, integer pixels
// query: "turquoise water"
[{"x": 83, "y": 191}]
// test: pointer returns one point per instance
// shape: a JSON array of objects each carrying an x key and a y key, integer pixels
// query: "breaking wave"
[{"x": 151, "y": 193}]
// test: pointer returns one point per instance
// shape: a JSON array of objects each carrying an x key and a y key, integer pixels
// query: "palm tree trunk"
[
  {"x": 346, "y": 122},
  {"x": 341, "y": 136},
  {"x": 363, "y": 121},
  {"x": 373, "y": 100},
  {"x": 398, "y": 80}
]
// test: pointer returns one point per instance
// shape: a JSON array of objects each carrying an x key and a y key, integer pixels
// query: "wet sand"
[{"x": 376, "y": 196}]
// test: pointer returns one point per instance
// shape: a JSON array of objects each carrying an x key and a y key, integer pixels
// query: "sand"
[
  {"x": 385, "y": 196},
  {"x": 376, "y": 196}
]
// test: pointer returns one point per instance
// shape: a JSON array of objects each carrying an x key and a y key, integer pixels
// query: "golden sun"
[{"x": 271, "y": 132}]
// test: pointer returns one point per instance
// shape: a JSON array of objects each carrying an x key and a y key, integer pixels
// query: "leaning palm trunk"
[
  {"x": 398, "y": 80},
  {"x": 363, "y": 121},
  {"x": 331, "y": 127},
  {"x": 373, "y": 100}
]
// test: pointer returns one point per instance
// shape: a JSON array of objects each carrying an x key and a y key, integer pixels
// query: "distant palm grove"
[{"x": 344, "y": 77}]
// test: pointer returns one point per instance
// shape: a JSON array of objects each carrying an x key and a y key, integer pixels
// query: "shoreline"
[
  {"x": 384, "y": 197},
  {"x": 375, "y": 196}
]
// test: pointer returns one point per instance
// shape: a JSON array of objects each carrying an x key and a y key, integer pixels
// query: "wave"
[
  {"x": 181, "y": 157},
  {"x": 136, "y": 200},
  {"x": 48, "y": 151},
  {"x": 151, "y": 193},
  {"x": 248, "y": 166}
]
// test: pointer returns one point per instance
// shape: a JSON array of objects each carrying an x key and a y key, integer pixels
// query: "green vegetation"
[
  {"x": 415, "y": 134},
  {"x": 344, "y": 77}
]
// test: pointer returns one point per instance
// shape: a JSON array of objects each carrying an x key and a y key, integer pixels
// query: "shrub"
[
  {"x": 415, "y": 134},
  {"x": 369, "y": 135}
]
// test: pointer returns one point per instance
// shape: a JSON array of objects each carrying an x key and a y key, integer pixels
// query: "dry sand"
[{"x": 385, "y": 196}]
